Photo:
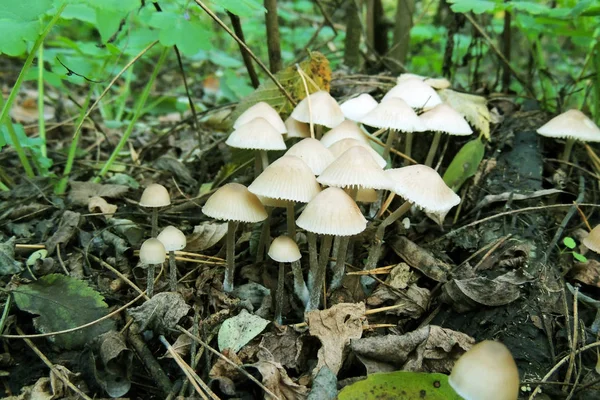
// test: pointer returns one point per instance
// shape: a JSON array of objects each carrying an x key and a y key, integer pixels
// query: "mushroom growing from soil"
[
  {"x": 486, "y": 372},
  {"x": 155, "y": 196},
  {"x": 357, "y": 107},
  {"x": 346, "y": 130},
  {"x": 572, "y": 125},
  {"x": 313, "y": 153},
  {"x": 340, "y": 147},
  {"x": 233, "y": 203},
  {"x": 296, "y": 129},
  {"x": 173, "y": 240},
  {"x": 318, "y": 108},
  {"x": 152, "y": 253},
  {"x": 592, "y": 240},
  {"x": 285, "y": 250},
  {"x": 331, "y": 213},
  {"x": 262, "y": 110}
]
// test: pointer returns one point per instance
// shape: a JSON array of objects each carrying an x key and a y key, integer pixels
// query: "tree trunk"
[
  {"x": 353, "y": 33},
  {"x": 404, "y": 21},
  {"x": 273, "y": 43}
]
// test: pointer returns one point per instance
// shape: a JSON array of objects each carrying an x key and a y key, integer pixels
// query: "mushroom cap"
[
  {"x": 155, "y": 195},
  {"x": 436, "y": 83},
  {"x": 355, "y": 168},
  {"x": 296, "y": 128},
  {"x": 152, "y": 252},
  {"x": 357, "y": 107},
  {"x": 172, "y": 238},
  {"x": 287, "y": 178},
  {"x": 284, "y": 249},
  {"x": 424, "y": 187},
  {"x": 416, "y": 93},
  {"x": 572, "y": 124},
  {"x": 332, "y": 212},
  {"x": 486, "y": 372},
  {"x": 346, "y": 130},
  {"x": 445, "y": 119},
  {"x": 313, "y": 153},
  {"x": 394, "y": 113},
  {"x": 257, "y": 134},
  {"x": 325, "y": 110},
  {"x": 234, "y": 202},
  {"x": 592, "y": 240},
  {"x": 366, "y": 196},
  {"x": 269, "y": 202},
  {"x": 262, "y": 110},
  {"x": 340, "y": 147}
]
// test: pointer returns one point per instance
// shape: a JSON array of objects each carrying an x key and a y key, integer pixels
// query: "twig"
[
  {"x": 326, "y": 16},
  {"x": 237, "y": 28},
  {"x": 273, "y": 41},
  {"x": 116, "y": 272},
  {"x": 573, "y": 337},
  {"x": 241, "y": 43}
]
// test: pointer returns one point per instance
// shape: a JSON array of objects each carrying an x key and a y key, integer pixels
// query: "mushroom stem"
[
  {"x": 315, "y": 293},
  {"x": 264, "y": 159},
  {"x": 172, "y": 272},
  {"x": 151, "y": 270},
  {"x": 392, "y": 133},
  {"x": 408, "y": 147},
  {"x": 290, "y": 218},
  {"x": 265, "y": 233},
  {"x": 257, "y": 164},
  {"x": 567, "y": 152},
  {"x": 375, "y": 250},
  {"x": 433, "y": 148},
  {"x": 312, "y": 259},
  {"x": 228, "y": 281},
  {"x": 340, "y": 263},
  {"x": 279, "y": 293},
  {"x": 299, "y": 284},
  {"x": 154, "y": 221}
]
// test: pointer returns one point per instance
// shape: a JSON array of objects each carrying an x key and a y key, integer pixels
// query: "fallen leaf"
[
  {"x": 206, "y": 235},
  {"x": 161, "y": 313},
  {"x": 276, "y": 379},
  {"x": 181, "y": 346},
  {"x": 226, "y": 374},
  {"x": 237, "y": 331},
  {"x": 176, "y": 167},
  {"x": 335, "y": 327},
  {"x": 99, "y": 205},
  {"x": 324, "y": 386},
  {"x": 81, "y": 192},
  {"x": 472, "y": 107},
  {"x": 411, "y": 301},
  {"x": 27, "y": 111},
  {"x": 8, "y": 264},
  {"x": 588, "y": 272},
  {"x": 109, "y": 361},
  {"x": 285, "y": 346},
  {"x": 66, "y": 230},
  {"x": 421, "y": 259},
  {"x": 465, "y": 164}
]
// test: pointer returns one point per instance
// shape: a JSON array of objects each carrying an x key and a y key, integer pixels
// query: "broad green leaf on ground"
[
  {"x": 27, "y": 142},
  {"x": 472, "y": 107},
  {"x": 237, "y": 331},
  {"x": 242, "y": 8},
  {"x": 476, "y": 6},
  {"x": 185, "y": 31},
  {"x": 316, "y": 67},
  {"x": 465, "y": 164},
  {"x": 400, "y": 385},
  {"x": 63, "y": 303}
]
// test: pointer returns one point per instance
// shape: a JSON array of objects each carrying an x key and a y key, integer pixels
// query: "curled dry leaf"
[
  {"x": 284, "y": 346},
  {"x": 205, "y": 236},
  {"x": 226, "y": 374},
  {"x": 276, "y": 379},
  {"x": 81, "y": 192},
  {"x": 66, "y": 230},
  {"x": 161, "y": 313},
  {"x": 588, "y": 272},
  {"x": 421, "y": 259},
  {"x": 335, "y": 327},
  {"x": 99, "y": 205},
  {"x": 8, "y": 264},
  {"x": 472, "y": 107}
]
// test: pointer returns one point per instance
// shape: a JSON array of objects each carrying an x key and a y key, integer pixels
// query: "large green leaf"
[
  {"x": 243, "y": 8},
  {"x": 400, "y": 385},
  {"x": 63, "y": 303},
  {"x": 187, "y": 32},
  {"x": 465, "y": 164},
  {"x": 476, "y": 6}
]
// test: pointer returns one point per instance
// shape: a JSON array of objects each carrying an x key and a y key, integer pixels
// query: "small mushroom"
[
  {"x": 296, "y": 129},
  {"x": 324, "y": 110},
  {"x": 357, "y": 107},
  {"x": 486, "y": 372},
  {"x": 173, "y": 240},
  {"x": 155, "y": 196},
  {"x": 152, "y": 253},
  {"x": 285, "y": 250},
  {"x": 346, "y": 130},
  {"x": 262, "y": 110},
  {"x": 313, "y": 153},
  {"x": 592, "y": 240}
]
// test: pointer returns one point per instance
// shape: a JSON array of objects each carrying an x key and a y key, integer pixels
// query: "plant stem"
[
  {"x": 264, "y": 159},
  {"x": 3, "y": 187},
  {"x": 408, "y": 146},
  {"x": 392, "y": 133},
  {"x": 375, "y": 250},
  {"x": 137, "y": 114},
  {"x": 315, "y": 293},
  {"x": 339, "y": 268},
  {"x": 172, "y": 272},
  {"x": 154, "y": 222},
  {"x": 312, "y": 259},
  {"x": 16, "y": 144},
  {"x": 433, "y": 148},
  {"x": 265, "y": 233},
  {"x": 41, "y": 120},
  {"x": 279, "y": 293},
  {"x": 567, "y": 152},
  {"x": 150, "y": 280},
  {"x": 290, "y": 218},
  {"x": 229, "y": 272},
  {"x": 299, "y": 284},
  {"x": 257, "y": 164}
]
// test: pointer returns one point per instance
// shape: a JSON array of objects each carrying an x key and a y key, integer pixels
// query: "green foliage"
[
  {"x": 400, "y": 385},
  {"x": 465, "y": 164},
  {"x": 570, "y": 245},
  {"x": 62, "y": 303},
  {"x": 180, "y": 30},
  {"x": 20, "y": 24}
]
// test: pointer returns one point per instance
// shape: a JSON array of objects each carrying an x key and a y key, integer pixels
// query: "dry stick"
[
  {"x": 310, "y": 119},
  {"x": 241, "y": 43},
  {"x": 398, "y": 153},
  {"x": 273, "y": 43},
  {"x": 187, "y": 253},
  {"x": 118, "y": 273},
  {"x": 237, "y": 28},
  {"x": 574, "y": 339},
  {"x": 228, "y": 361},
  {"x": 55, "y": 370},
  {"x": 326, "y": 16}
]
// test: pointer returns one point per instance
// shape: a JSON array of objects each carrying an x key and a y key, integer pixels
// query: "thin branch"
[{"x": 237, "y": 28}]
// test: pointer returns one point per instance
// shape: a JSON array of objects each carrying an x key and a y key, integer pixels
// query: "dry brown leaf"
[
  {"x": 181, "y": 346},
  {"x": 284, "y": 346},
  {"x": 588, "y": 273},
  {"x": 27, "y": 111},
  {"x": 421, "y": 259},
  {"x": 276, "y": 379},
  {"x": 335, "y": 327},
  {"x": 99, "y": 205},
  {"x": 205, "y": 236},
  {"x": 81, "y": 192},
  {"x": 66, "y": 230},
  {"x": 472, "y": 107}
]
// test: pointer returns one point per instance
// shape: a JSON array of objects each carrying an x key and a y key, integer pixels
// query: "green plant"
[{"x": 570, "y": 245}]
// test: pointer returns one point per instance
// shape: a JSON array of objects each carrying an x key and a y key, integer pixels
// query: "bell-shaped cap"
[
  {"x": 262, "y": 110},
  {"x": 332, "y": 212},
  {"x": 287, "y": 178},
  {"x": 357, "y": 107},
  {"x": 355, "y": 168},
  {"x": 572, "y": 124},
  {"x": 486, "y": 372},
  {"x": 172, "y": 238},
  {"x": 424, "y": 187},
  {"x": 445, "y": 119},
  {"x": 233, "y": 202},
  {"x": 152, "y": 252},
  {"x": 592, "y": 240},
  {"x": 436, "y": 83},
  {"x": 346, "y": 130},
  {"x": 313, "y": 153},
  {"x": 416, "y": 93},
  {"x": 284, "y": 249},
  {"x": 394, "y": 114},
  {"x": 257, "y": 134},
  {"x": 155, "y": 195},
  {"x": 340, "y": 147},
  {"x": 296, "y": 129},
  {"x": 325, "y": 110}
]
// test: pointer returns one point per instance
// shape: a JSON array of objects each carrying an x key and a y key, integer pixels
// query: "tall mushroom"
[
  {"x": 285, "y": 250},
  {"x": 152, "y": 253},
  {"x": 155, "y": 196},
  {"x": 592, "y": 240},
  {"x": 173, "y": 240},
  {"x": 319, "y": 108},
  {"x": 233, "y": 203},
  {"x": 261, "y": 110}
]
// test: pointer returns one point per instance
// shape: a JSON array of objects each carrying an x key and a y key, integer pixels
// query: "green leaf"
[
  {"x": 400, "y": 385},
  {"x": 237, "y": 331},
  {"x": 182, "y": 30},
  {"x": 63, "y": 303},
  {"x": 528, "y": 7},
  {"x": 14, "y": 35},
  {"x": 579, "y": 257},
  {"x": 476, "y": 6},
  {"x": 23, "y": 10},
  {"x": 242, "y": 8},
  {"x": 569, "y": 242},
  {"x": 465, "y": 164}
]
